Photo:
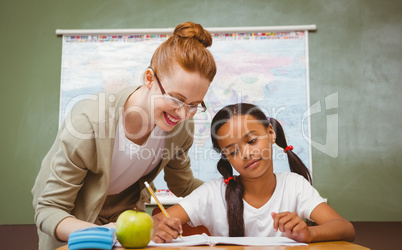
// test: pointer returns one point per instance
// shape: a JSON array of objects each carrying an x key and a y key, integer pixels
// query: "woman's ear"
[{"x": 149, "y": 78}]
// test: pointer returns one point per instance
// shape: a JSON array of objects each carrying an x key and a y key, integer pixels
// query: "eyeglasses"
[{"x": 176, "y": 103}]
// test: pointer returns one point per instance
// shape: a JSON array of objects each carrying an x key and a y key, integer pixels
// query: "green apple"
[{"x": 134, "y": 229}]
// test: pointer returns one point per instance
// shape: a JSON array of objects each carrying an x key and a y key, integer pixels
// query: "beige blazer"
[{"x": 74, "y": 176}]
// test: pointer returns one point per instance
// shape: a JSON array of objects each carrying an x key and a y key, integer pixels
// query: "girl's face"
[
  {"x": 247, "y": 145},
  {"x": 188, "y": 87}
]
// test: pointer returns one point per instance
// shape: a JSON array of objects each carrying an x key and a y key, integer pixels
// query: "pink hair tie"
[
  {"x": 290, "y": 147},
  {"x": 228, "y": 179}
]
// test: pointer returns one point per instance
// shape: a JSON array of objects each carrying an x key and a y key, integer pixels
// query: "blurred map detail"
[{"x": 266, "y": 69}]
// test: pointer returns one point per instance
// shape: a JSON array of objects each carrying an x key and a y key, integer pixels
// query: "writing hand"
[
  {"x": 292, "y": 226},
  {"x": 166, "y": 230}
]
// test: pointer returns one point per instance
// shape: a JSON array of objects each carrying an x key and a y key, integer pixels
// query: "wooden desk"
[{"x": 331, "y": 245}]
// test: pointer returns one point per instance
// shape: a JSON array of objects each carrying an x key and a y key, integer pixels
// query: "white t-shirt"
[
  {"x": 207, "y": 205},
  {"x": 130, "y": 161}
]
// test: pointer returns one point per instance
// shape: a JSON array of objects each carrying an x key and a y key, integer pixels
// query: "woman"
[{"x": 111, "y": 143}]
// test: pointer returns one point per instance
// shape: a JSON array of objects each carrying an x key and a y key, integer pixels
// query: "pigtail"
[
  {"x": 295, "y": 163},
  {"x": 234, "y": 199},
  {"x": 234, "y": 189}
]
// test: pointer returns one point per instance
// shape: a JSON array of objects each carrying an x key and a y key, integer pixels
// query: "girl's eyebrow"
[{"x": 228, "y": 146}]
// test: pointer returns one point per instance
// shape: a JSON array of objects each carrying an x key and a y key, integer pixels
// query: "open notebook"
[{"x": 203, "y": 239}]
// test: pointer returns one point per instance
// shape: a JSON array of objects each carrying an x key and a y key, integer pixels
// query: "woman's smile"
[{"x": 170, "y": 119}]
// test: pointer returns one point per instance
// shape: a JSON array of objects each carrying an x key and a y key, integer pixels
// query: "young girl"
[
  {"x": 111, "y": 143},
  {"x": 258, "y": 202}
]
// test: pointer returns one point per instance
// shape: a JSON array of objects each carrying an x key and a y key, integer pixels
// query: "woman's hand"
[
  {"x": 110, "y": 225},
  {"x": 69, "y": 225},
  {"x": 292, "y": 226},
  {"x": 166, "y": 229}
]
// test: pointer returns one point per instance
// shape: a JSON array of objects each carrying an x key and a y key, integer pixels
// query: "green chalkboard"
[{"x": 355, "y": 54}]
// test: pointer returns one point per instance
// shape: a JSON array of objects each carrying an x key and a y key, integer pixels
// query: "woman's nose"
[{"x": 181, "y": 112}]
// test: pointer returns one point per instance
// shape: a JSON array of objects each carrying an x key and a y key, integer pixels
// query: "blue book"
[{"x": 92, "y": 237}]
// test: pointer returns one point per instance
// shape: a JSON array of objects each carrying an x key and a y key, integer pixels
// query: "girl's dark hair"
[{"x": 234, "y": 189}]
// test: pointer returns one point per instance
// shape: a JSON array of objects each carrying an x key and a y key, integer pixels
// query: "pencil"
[{"x": 158, "y": 202}]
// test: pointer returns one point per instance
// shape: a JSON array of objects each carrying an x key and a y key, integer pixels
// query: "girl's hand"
[
  {"x": 166, "y": 230},
  {"x": 292, "y": 226}
]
